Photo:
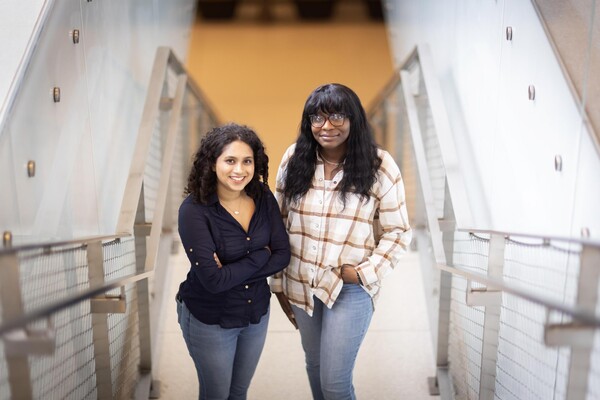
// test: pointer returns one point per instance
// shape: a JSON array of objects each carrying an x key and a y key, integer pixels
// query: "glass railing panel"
[
  {"x": 18, "y": 19},
  {"x": 506, "y": 349},
  {"x": 535, "y": 111},
  {"x": 50, "y": 127},
  {"x": 116, "y": 90}
]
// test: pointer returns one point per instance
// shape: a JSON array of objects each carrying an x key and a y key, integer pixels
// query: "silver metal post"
[
  {"x": 587, "y": 298},
  {"x": 95, "y": 258},
  {"x": 438, "y": 238},
  {"x": 446, "y": 282},
  {"x": 143, "y": 288},
  {"x": 12, "y": 307},
  {"x": 491, "y": 325}
]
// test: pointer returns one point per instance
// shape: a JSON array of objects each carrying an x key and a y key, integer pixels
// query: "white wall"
[
  {"x": 507, "y": 143},
  {"x": 82, "y": 145}
]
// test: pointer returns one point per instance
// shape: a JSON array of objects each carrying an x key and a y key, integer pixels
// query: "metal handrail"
[
  {"x": 69, "y": 301},
  {"x": 434, "y": 224},
  {"x": 391, "y": 85},
  {"x": 456, "y": 184},
  {"x": 382, "y": 95},
  {"x": 577, "y": 313},
  {"x": 12, "y": 249},
  {"x": 422, "y": 54},
  {"x": 569, "y": 239},
  {"x": 578, "y": 321},
  {"x": 165, "y": 58},
  {"x": 191, "y": 84},
  {"x": 422, "y": 171},
  {"x": 583, "y": 317},
  {"x": 24, "y": 310}
]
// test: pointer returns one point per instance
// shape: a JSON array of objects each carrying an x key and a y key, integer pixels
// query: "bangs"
[{"x": 328, "y": 102}]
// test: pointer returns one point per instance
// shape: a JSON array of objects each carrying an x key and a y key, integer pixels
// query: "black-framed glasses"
[{"x": 335, "y": 119}]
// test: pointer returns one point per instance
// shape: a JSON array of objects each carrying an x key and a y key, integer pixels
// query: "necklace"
[
  {"x": 337, "y": 164},
  {"x": 236, "y": 212}
]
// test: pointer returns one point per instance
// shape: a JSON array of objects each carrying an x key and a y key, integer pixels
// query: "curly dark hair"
[
  {"x": 361, "y": 163},
  {"x": 202, "y": 181}
]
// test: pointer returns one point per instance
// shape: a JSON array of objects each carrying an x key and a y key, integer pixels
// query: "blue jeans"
[
  {"x": 225, "y": 359},
  {"x": 331, "y": 339}
]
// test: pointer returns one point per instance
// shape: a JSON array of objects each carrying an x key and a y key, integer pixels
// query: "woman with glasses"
[
  {"x": 233, "y": 235},
  {"x": 343, "y": 203}
]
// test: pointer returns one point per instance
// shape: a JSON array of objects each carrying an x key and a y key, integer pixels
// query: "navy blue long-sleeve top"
[{"x": 237, "y": 293}]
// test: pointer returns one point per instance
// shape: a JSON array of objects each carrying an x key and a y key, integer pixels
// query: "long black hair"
[
  {"x": 202, "y": 181},
  {"x": 361, "y": 163}
]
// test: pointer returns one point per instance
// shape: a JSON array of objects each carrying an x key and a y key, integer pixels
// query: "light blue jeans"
[
  {"x": 331, "y": 339},
  {"x": 225, "y": 359}
]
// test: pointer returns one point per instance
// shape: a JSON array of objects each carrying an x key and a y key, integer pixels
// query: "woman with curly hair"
[
  {"x": 343, "y": 203},
  {"x": 234, "y": 237}
]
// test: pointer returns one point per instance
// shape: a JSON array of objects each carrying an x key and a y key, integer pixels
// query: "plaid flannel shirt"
[{"x": 369, "y": 235}]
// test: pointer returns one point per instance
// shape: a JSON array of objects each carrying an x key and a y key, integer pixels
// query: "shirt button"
[
  {"x": 196, "y": 262},
  {"x": 246, "y": 286},
  {"x": 320, "y": 201},
  {"x": 334, "y": 182},
  {"x": 191, "y": 250},
  {"x": 249, "y": 301},
  {"x": 314, "y": 247},
  {"x": 248, "y": 252},
  {"x": 248, "y": 238},
  {"x": 320, "y": 179}
]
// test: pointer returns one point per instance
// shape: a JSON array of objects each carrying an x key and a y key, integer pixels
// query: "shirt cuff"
[
  {"x": 367, "y": 273},
  {"x": 276, "y": 284}
]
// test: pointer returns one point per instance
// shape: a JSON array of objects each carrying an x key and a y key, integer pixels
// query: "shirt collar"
[{"x": 212, "y": 199}]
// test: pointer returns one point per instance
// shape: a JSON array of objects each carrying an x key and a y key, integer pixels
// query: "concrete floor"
[{"x": 393, "y": 363}]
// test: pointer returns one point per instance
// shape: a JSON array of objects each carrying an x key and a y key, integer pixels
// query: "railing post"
[
  {"x": 143, "y": 287},
  {"x": 12, "y": 307},
  {"x": 492, "y": 300},
  {"x": 95, "y": 258},
  {"x": 440, "y": 384},
  {"x": 587, "y": 298},
  {"x": 448, "y": 228},
  {"x": 442, "y": 378}
]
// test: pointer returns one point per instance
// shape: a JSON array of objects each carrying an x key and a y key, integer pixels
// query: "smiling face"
[
  {"x": 332, "y": 138},
  {"x": 234, "y": 167}
]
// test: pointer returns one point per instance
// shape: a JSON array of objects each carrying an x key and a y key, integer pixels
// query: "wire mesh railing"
[
  {"x": 77, "y": 317},
  {"x": 466, "y": 322},
  {"x": 513, "y": 316}
]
